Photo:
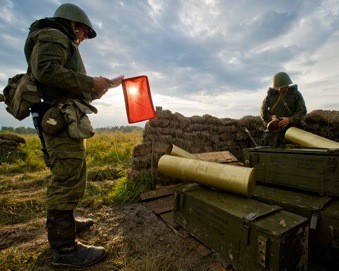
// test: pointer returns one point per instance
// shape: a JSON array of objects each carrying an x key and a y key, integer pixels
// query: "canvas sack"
[{"x": 20, "y": 94}]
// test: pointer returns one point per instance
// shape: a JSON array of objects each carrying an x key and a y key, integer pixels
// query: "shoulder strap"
[{"x": 281, "y": 98}]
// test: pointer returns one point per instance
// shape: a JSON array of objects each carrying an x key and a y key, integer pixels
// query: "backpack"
[{"x": 20, "y": 94}]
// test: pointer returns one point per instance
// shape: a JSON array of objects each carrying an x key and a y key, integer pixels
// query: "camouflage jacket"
[
  {"x": 54, "y": 60},
  {"x": 292, "y": 105}
]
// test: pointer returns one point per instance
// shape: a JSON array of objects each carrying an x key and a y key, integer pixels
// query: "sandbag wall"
[
  {"x": 10, "y": 148},
  {"x": 208, "y": 134},
  {"x": 324, "y": 123},
  {"x": 193, "y": 134}
]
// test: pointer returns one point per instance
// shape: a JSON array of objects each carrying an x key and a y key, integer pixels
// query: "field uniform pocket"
[
  {"x": 67, "y": 186},
  {"x": 67, "y": 165},
  {"x": 75, "y": 114}
]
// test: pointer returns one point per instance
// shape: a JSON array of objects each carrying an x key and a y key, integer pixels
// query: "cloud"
[{"x": 201, "y": 56}]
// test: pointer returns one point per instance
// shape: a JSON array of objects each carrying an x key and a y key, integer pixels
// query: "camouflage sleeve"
[
  {"x": 300, "y": 108},
  {"x": 48, "y": 58}
]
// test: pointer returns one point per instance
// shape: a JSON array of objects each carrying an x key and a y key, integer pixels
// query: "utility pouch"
[
  {"x": 20, "y": 94},
  {"x": 53, "y": 121},
  {"x": 75, "y": 114}
]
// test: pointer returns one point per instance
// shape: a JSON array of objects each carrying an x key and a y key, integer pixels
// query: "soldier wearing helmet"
[
  {"x": 54, "y": 60},
  {"x": 283, "y": 107}
]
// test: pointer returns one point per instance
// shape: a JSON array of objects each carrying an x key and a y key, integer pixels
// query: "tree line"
[{"x": 30, "y": 130}]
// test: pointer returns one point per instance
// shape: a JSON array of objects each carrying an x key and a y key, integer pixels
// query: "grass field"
[
  {"x": 134, "y": 237},
  {"x": 23, "y": 187},
  {"x": 108, "y": 159}
]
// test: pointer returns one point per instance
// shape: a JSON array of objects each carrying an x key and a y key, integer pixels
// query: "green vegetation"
[
  {"x": 23, "y": 183},
  {"x": 133, "y": 236},
  {"x": 108, "y": 159},
  {"x": 23, "y": 189},
  {"x": 18, "y": 130},
  {"x": 109, "y": 129},
  {"x": 123, "y": 129}
]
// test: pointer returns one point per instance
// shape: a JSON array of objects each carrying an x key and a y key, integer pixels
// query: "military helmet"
[
  {"x": 280, "y": 80},
  {"x": 74, "y": 13}
]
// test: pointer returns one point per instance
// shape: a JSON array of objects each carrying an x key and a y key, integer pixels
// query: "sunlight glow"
[{"x": 133, "y": 91}]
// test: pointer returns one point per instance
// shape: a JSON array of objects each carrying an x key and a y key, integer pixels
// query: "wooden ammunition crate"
[
  {"x": 249, "y": 234},
  {"x": 312, "y": 170},
  {"x": 323, "y": 216}
]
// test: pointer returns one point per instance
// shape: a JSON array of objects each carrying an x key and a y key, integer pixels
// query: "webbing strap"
[{"x": 281, "y": 98}]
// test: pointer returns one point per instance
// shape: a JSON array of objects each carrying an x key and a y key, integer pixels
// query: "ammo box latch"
[
  {"x": 314, "y": 220},
  {"x": 179, "y": 202},
  {"x": 246, "y": 223},
  {"x": 262, "y": 245},
  {"x": 251, "y": 217},
  {"x": 262, "y": 240}
]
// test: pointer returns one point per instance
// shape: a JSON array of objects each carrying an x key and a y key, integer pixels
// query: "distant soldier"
[
  {"x": 283, "y": 107},
  {"x": 54, "y": 60}
]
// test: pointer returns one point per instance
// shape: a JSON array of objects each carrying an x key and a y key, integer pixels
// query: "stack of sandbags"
[{"x": 10, "y": 148}]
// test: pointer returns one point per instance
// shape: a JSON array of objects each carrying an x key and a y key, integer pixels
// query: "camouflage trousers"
[
  {"x": 67, "y": 185},
  {"x": 274, "y": 139}
]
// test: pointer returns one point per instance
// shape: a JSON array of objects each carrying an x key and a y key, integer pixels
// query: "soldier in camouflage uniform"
[
  {"x": 283, "y": 105},
  {"x": 54, "y": 60}
]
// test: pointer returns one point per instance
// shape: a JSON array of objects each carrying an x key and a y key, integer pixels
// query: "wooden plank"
[
  {"x": 203, "y": 250},
  {"x": 181, "y": 232},
  {"x": 161, "y": 205},
  {"x": 218, "y": 157},
  {"x": 169, "y": 219},
  {"x": 217, "y": 266},
  {"x": 192, "y": 242},
  {"x": 161, "y": 191}
]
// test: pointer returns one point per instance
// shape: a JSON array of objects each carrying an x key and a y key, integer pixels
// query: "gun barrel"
[
  {"x": 307, "y": 139},
  {"x": 230, "y": 178}
]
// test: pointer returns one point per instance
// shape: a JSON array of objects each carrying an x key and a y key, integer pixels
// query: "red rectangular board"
[{"x": 138, "y": 99}]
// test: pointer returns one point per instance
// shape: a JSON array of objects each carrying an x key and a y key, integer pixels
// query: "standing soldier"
[
  {"x": 282, "y": 108},
  {"x": 54, "y": 61}
]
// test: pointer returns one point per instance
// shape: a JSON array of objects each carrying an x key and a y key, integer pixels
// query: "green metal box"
[
  {"x": 312, "y": 170},
  {"x": 323, "y": 216},
  {"x": 249, "y": 234}
]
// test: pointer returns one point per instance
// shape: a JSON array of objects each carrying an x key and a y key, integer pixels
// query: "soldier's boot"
[
  {"x": 83, "y": 224},
  {"x": 79, "y": 255},
  {"x": 61, "y": 236}
]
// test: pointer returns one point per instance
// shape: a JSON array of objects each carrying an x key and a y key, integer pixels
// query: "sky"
[{"x": 214, "y": 57}]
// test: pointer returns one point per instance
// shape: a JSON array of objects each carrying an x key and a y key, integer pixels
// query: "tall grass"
[
  {"x": 111, "y": 148},
  {"x": 33, "y": 160},
  {"x": 108, "y": 158}
]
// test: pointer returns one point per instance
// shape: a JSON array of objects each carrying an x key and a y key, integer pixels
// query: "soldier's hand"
[
  {"x": 116, "y": 81},
  {"x": 100, "y": 86},
  {"x": 283, "y": 122},
  {"x": 274, "y": 117}
]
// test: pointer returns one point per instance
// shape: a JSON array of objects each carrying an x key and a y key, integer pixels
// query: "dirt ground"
[{"x": 135, "y": 237}]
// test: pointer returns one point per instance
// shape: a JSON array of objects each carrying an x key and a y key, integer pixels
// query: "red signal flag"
[{"x": 138, "y": 99}]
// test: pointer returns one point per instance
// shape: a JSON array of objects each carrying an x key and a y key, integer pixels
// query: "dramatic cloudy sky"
[{"x": 213, "y": 57}]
